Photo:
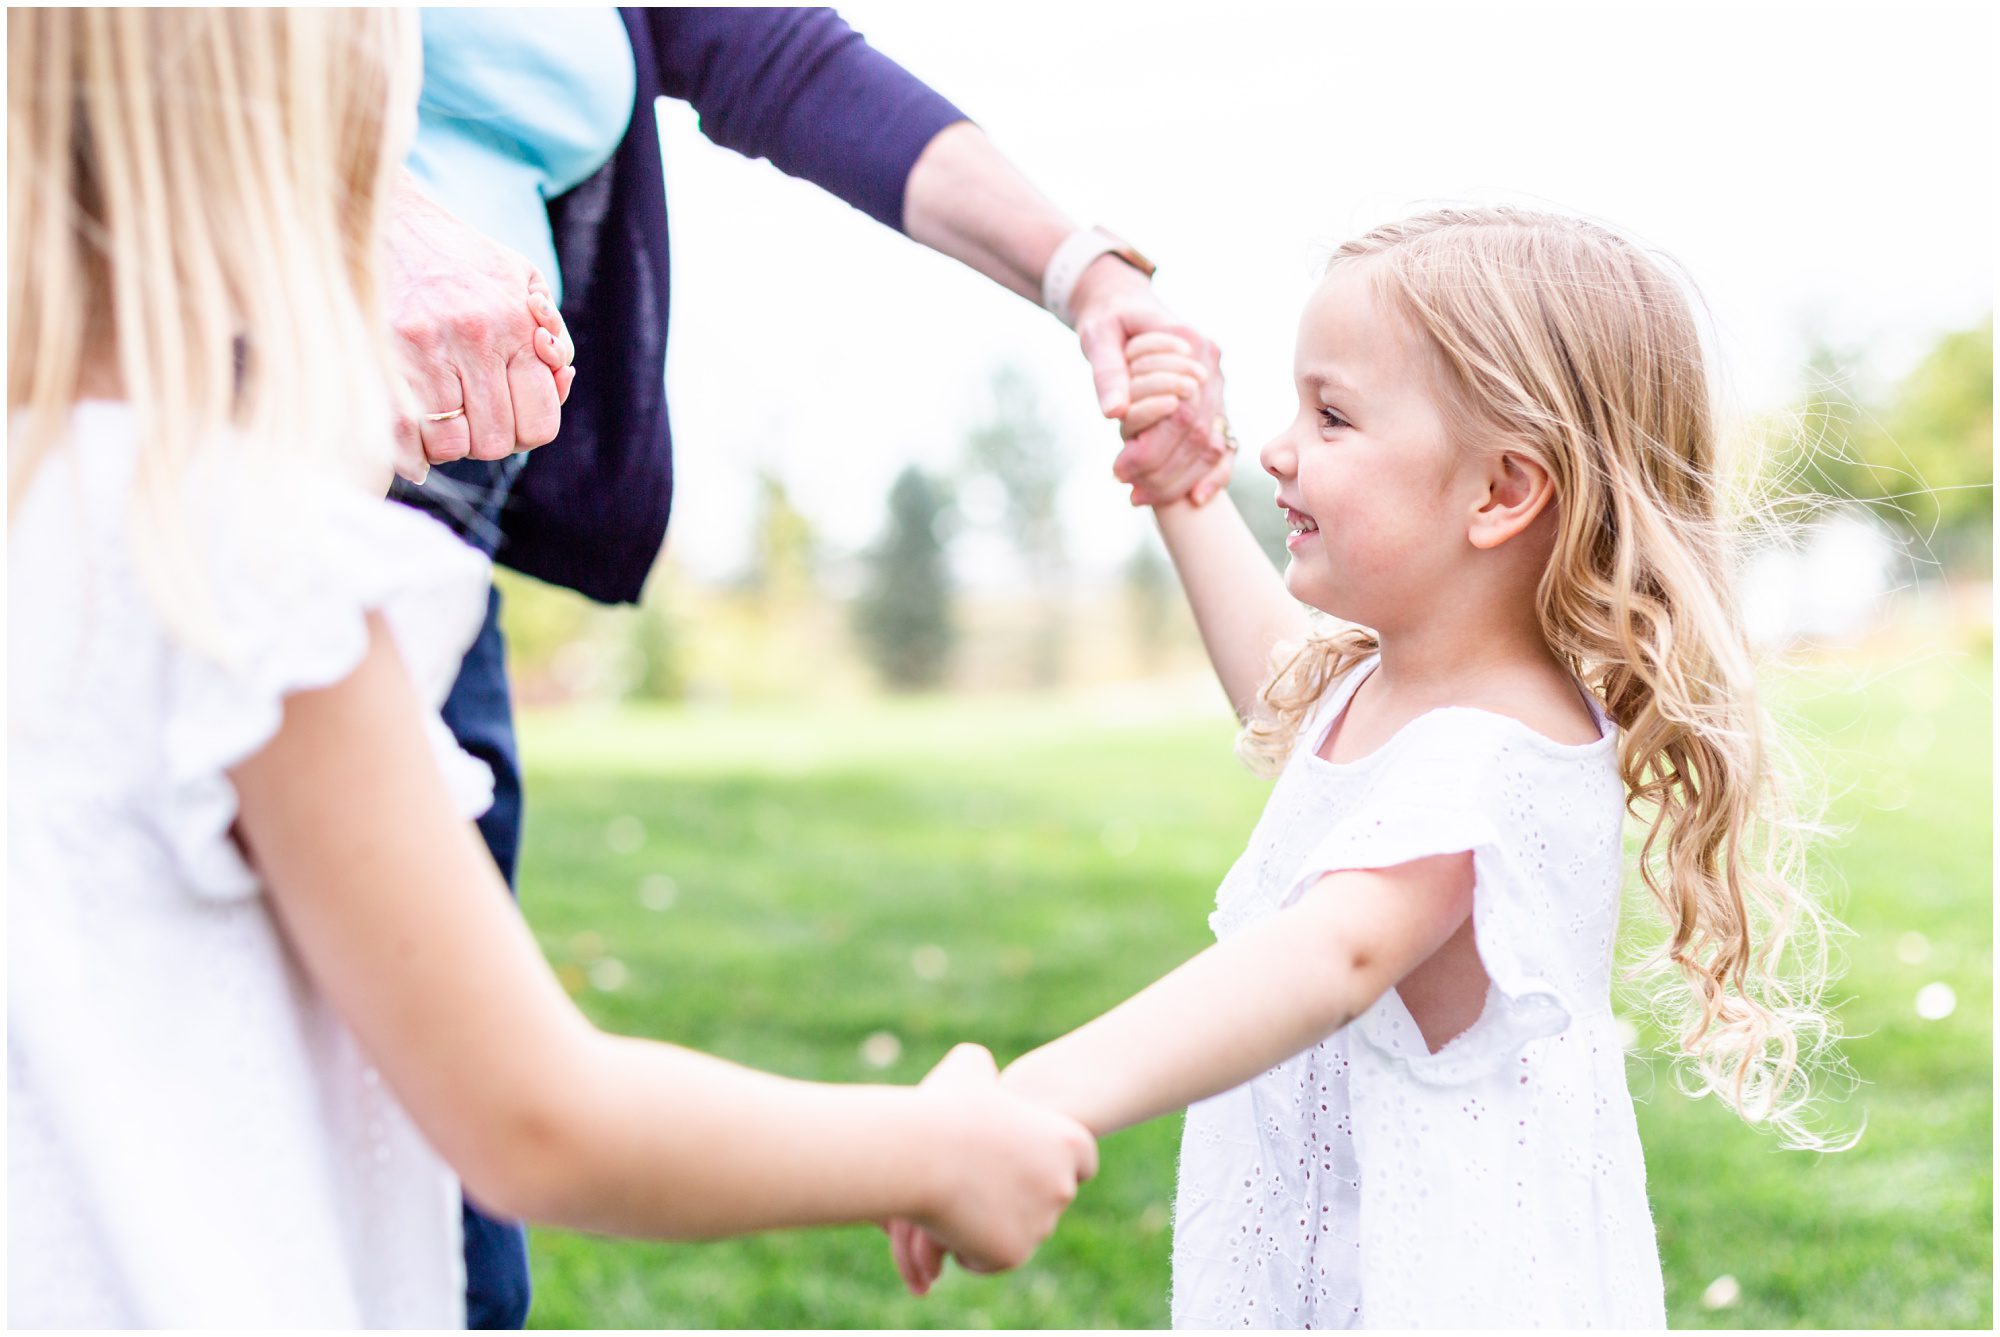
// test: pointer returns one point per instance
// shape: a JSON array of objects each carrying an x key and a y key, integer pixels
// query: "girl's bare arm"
[
  {"x": 1237, "y": 1009},
  {"x": 397, "y": 913},
  {"x": 1248, "y": 1003},
  {"x": 1240, "y": 602}
]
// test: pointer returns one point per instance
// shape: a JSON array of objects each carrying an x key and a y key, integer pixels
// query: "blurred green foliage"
[
  {"x": 1919, "y": 455},
  {"x": 784, "y": 559},
  {"x": 1016, "y": 448},
  {"x": 904, "y": 613}
]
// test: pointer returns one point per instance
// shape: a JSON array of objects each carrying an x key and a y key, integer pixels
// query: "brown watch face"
[{"x": 1130, "y": 255}]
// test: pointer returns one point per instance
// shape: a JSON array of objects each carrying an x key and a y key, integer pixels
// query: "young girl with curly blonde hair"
[{"x": 1502, "y": 478}]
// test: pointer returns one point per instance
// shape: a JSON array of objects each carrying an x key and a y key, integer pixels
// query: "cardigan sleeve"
[{"x": 801, "y": 88}]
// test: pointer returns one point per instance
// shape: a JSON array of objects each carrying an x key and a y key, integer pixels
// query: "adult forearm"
[
  {"x": 1240, "y": 602},
  {"x": 965, "y": 199},
  {"x": 1214, "y": 1023}
]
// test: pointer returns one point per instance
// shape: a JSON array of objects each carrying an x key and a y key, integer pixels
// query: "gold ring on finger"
[{"x": 446, "y": 416}]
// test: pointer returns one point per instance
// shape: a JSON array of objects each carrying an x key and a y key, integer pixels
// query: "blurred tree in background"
[
  {"x": 1919, "y": 455},
  {"x": 783, "y": 559},
  {"x": 1153, "y": 593},
  {"x": 1018, "y": 451},
  {"x": 903, "y": 616},
  {"x": 660, "y": 643}
]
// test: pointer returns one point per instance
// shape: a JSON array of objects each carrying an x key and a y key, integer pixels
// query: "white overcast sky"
[{"x": 1815, "y": 168}]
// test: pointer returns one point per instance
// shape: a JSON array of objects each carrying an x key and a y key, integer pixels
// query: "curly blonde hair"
[{"x": 1562, "y": 341}]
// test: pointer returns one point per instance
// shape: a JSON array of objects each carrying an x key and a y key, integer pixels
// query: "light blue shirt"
[{"x": 518, "y": 106}]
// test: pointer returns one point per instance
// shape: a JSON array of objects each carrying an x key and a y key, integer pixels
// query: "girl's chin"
[
  {"x": 1308, "y": 583},
  {"x": 1301, "y": 584}
]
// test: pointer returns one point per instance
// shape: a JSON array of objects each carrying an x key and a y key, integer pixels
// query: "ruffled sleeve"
[
  {"x": 293, "y": 598},
  {"x": 1433, "y": 792}
]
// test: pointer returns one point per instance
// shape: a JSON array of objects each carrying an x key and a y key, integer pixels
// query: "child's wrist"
[
  {"x": 1032, "y": 1078},
  {"x": 938, "y": 1146}
]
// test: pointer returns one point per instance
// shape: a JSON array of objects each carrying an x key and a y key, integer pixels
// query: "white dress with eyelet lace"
[
  {"x": 1495, "y": 1183},
  {"x": 194, "y": 1139}
]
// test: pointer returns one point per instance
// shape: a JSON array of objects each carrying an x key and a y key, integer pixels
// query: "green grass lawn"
[{"x": 780, "y": 886}]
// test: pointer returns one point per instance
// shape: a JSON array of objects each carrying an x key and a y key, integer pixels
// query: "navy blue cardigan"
[{"x": 797, "y": 86}]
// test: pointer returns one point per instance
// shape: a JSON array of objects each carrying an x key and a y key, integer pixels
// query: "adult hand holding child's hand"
[
  {"x": 1171, "y": 422},
  {"x": 1176, "y": 379},
  {"x": 1019, "y": 1167}
]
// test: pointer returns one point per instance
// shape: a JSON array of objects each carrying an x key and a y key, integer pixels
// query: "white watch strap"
[{"x": 1066, "y": 266}]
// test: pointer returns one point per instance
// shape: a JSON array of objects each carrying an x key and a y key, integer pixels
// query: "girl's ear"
[{"x": 1518, "y": 489}]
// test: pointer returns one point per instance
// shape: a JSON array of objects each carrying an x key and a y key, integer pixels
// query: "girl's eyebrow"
[{"x": 1325, "y": 381}]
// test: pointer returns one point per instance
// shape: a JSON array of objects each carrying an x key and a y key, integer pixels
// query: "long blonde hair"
[
  {"x": 196, "y": 193},
  {"x": 1562, "y": 341}
]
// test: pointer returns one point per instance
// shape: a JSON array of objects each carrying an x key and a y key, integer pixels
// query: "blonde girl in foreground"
[
  {"x": 1413, "y": 1108},
  {"x": 266, "y": 994}
]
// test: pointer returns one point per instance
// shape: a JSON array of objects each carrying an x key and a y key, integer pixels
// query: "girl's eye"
[{"x": 1331, "y": 418}]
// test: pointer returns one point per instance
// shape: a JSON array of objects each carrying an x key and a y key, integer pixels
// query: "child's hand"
[
  {"x": 1164, "y": 371},
  {"x": 1175, "y": 377},
  {"x": 552, "y": 342},
  {"x": 1015, "y": 1167},
  {"x": 918, "y": 1256}
]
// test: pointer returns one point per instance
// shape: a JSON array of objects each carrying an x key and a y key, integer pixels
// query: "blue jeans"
[{"x": 480, "y": 714}]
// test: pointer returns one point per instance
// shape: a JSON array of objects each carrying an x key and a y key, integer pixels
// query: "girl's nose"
[{"x": 1278, "y": 458}]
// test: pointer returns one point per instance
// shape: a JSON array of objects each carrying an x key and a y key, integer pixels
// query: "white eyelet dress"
[
  {"x": 1496, "y": 1183},
  {"x": 194, "y": 1139}
]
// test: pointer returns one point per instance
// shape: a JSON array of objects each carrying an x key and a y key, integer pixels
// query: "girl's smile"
[{"x": 1303, "y": 525}]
